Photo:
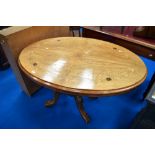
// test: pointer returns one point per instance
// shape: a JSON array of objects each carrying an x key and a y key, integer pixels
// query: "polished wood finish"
[
  {"x": 53, "y": 101},
  {"x": 14, "y": 39},
  {"x": 82, "y": 66},
  {"x": 139, "y": 47},
  {"x": 79, "y": 103}
]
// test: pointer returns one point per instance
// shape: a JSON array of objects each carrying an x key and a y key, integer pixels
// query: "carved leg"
[
  {"x": 78, "y": 100},
  {"x": 51, "y": 102}
]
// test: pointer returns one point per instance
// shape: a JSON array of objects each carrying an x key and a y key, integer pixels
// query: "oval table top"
[{"x": 82, "y": 66}]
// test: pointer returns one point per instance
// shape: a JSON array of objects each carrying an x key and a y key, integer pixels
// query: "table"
[{"x": 82, "y": 66}]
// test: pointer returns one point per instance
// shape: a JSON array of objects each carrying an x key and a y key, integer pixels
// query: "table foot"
[
  {"x": 53, "y": 101},
  {"x": 79, "y": 103}
]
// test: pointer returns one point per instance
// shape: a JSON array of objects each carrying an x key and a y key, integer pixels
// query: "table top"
[{"x": 82, "y": 66}]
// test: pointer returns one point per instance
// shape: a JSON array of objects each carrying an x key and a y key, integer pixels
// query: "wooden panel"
[
  {"x": 27, "y": 85},
  {"x": 18, "y": 40},
  {"x": 15, "y": 40},
  {"x": 138, "y": 47}
]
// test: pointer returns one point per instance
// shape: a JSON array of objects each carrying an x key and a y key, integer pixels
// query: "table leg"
[
  {"x": 51, "y": 102},
  {"x": 79, "y": 102}
]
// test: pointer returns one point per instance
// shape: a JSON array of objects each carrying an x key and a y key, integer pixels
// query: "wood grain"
[{"x": 82, "y": 66}]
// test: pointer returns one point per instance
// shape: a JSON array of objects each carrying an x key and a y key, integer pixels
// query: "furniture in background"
[
  {"x": 140, "y": 46},
  {"x": 14, "y": 39},
  {"x": 75, "y": 30},
  {"x": 122, "y": 28},
  {"x": 145, "y": 32},
  {"x": 82, "y": 66}
]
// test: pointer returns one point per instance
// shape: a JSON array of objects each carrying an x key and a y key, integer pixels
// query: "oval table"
[{"x": 82, "y": 66}]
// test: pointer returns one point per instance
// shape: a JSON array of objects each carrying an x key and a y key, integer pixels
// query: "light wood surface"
[{"x": 82, "y": 66}]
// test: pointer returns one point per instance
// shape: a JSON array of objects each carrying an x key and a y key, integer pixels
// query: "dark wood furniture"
[
  {"x": 137, "y": 46},
  {"x": 145, "y": 32},
  {"x": 122, "y": 28},
  {"x": 73, "y": 29}
]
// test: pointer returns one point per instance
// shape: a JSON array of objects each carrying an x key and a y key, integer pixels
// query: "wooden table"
[{"x": 82, "y": 66}]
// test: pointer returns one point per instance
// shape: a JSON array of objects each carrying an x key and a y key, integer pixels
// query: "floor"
[{"x": 17, "y": 110}]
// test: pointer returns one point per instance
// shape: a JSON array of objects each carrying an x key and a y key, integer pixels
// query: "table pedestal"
[
  {"x": 79, "y": 103},
  {"x": 53, "y": 101}
]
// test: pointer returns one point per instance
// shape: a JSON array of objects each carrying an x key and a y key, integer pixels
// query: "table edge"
[{"x": 74, "y": 91}]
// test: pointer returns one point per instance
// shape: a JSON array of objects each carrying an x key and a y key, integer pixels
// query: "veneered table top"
[{"x": 82, "y": 66}]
